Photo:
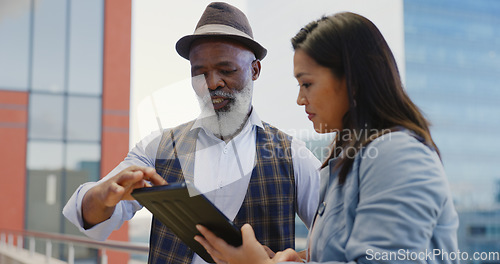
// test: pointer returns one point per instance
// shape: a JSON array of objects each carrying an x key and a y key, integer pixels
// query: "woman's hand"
[
  {"x": 251, "y": 251},
  {"x": 288, "y": 255}
]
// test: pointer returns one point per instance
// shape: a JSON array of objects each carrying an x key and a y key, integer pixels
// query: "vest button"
[{"x": 321, "y": 208}]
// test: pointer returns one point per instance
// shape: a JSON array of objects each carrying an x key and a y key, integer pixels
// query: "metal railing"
[{"x": 7, "y": 240}]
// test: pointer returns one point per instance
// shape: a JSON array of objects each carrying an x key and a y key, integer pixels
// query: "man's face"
[{"x": 227, "y": 67}]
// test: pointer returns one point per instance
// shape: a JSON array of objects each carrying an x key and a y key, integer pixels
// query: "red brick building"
[{"x": 64, "y": 106}]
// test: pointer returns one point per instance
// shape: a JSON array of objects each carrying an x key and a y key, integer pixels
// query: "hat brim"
[{"x": 183, "y": 45}]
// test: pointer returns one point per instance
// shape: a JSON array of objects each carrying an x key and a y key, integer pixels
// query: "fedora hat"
[{"x": 222, "y": 20}]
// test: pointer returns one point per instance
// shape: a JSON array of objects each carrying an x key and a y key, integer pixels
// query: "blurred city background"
[{"x": 77, "y": 79}]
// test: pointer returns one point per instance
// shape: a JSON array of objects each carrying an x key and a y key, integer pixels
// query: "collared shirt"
[{"x": 217, "y": 164}]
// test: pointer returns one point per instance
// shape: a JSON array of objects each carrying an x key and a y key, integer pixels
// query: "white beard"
[{"x": 223, "y": 124}]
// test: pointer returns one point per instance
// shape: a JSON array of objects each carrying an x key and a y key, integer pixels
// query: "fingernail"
[{"x": 199, "y": 227}]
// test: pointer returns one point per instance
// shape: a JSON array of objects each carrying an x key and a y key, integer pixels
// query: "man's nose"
[{"x": 214, "y": 81}]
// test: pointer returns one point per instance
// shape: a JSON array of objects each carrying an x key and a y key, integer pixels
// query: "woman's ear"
[{"x": 255, "y": 69}]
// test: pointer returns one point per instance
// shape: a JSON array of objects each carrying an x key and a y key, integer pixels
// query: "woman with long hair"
[{"x": 384, "y": 195}]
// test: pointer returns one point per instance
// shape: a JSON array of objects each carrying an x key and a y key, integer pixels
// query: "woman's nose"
[{"x": 301, "y": 99}]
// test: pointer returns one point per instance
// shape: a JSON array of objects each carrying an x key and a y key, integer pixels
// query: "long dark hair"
[{"x": 352, "y": 47}]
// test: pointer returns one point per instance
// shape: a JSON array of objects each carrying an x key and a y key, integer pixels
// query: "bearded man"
[{"x": 250, "y": 170}]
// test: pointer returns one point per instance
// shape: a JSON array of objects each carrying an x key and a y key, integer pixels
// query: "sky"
[{"x": 158, "y": 72}]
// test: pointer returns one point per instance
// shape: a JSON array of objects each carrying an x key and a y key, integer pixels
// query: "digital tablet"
[{"x": 175, "y": 208}]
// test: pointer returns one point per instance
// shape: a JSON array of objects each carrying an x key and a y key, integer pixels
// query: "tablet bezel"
[{"x": 175, "y": 208}]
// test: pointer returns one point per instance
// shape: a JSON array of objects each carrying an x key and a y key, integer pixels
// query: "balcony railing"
[{"x": 7, "y": 242}]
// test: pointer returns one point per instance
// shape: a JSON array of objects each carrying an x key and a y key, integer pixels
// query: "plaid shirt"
[{"x": 270, "y": 202}]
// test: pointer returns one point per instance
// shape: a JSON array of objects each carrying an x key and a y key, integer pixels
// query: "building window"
[
  {"x": 14, "y": 44},
  {"x": 49, "y": 45},
  {"x": 85, "y": 47},
  {"x": 477, "y": 230},
  {"x": 46, "y": 116},
  {"x": 84, "y": 118}
]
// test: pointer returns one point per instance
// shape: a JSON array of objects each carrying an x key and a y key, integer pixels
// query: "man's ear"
[{"x": 255, "y": 69}]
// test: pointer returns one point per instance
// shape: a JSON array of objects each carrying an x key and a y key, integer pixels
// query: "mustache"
[
  {"x": 214, "y": 93},
  {"x": 207, "y": 98}
]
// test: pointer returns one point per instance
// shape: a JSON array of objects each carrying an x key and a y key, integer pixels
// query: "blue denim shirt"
[{"x": 395, "y": 207}]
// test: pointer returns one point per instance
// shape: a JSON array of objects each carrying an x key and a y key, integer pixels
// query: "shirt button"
[{"x": 225, "y": 150}]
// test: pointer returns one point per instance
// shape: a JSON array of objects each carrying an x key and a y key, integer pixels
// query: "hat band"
[{"x": 216, "y": 29}]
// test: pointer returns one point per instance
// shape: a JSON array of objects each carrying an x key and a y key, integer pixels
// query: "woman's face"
[{"x": 321, "y": 92}]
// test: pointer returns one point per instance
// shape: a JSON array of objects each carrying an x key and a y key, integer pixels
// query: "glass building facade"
[
  {"x": 452, "y": 51},
  {"x": 52, "y": 50},
  {"x": 53, "y": 55}
]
